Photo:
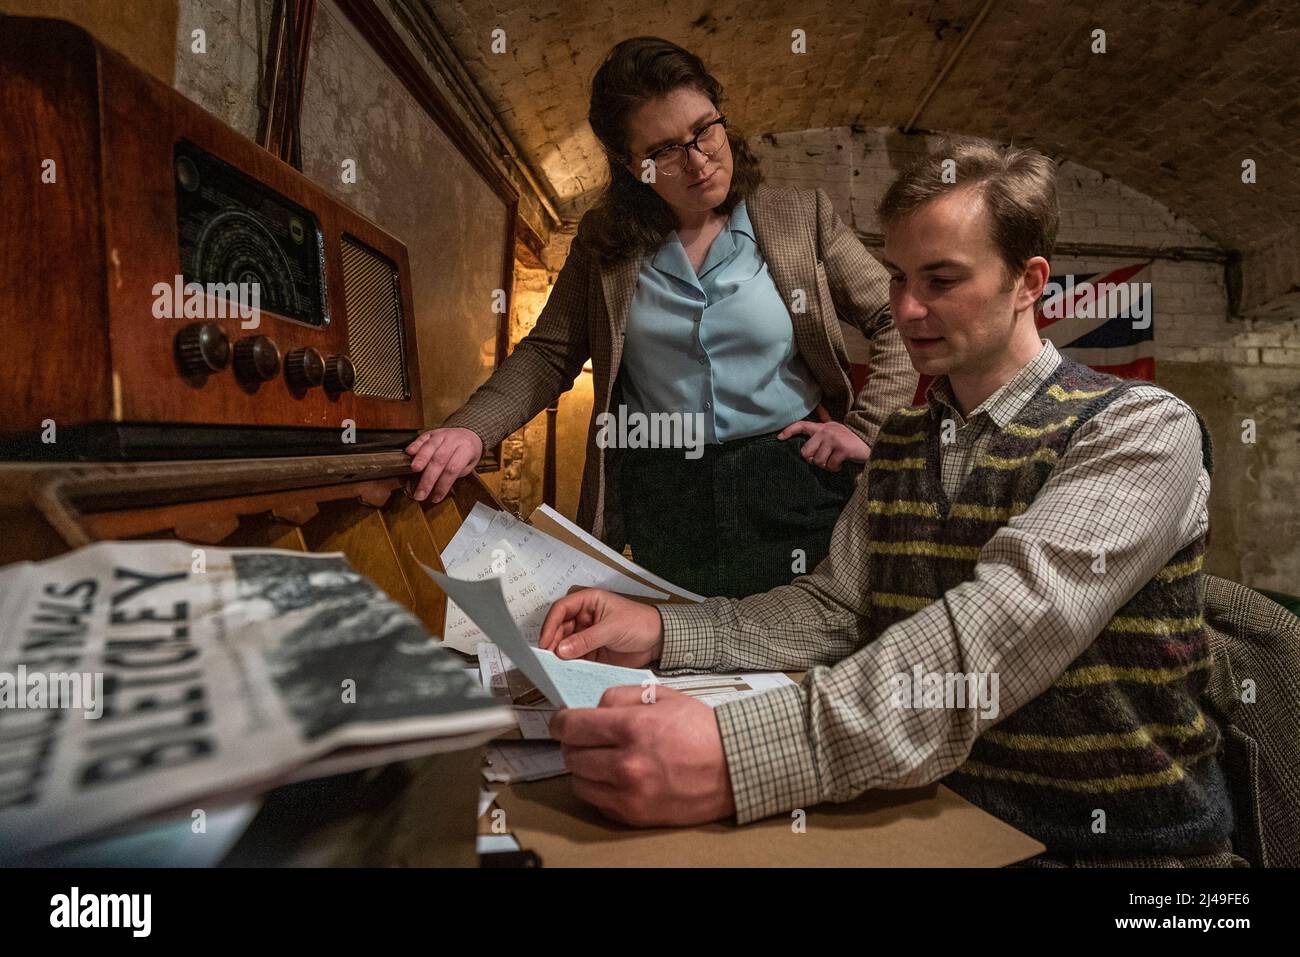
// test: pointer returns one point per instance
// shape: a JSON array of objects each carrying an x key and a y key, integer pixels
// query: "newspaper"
[{"x": 142, "y": 677}]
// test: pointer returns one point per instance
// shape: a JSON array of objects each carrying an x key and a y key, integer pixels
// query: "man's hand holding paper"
[
  {"x": 649, "y": 757},
  {"x": 601, "y": 626}
]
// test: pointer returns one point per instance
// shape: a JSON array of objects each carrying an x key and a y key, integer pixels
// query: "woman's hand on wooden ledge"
[{"x": 444, "y": 455}]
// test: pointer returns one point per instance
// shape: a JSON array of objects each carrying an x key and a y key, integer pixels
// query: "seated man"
[{"x": 1035, "y": 529}]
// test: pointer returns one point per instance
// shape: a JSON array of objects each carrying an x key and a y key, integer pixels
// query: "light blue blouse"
[{"x": 720, "y": 343}]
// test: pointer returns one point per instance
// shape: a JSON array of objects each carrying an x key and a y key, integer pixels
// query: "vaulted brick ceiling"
[{"x": 1186, "y": 90}]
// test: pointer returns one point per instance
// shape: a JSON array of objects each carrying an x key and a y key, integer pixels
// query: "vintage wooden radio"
[{"x": 168, "y": 289}]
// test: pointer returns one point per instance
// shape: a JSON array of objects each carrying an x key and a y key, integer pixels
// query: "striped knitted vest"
[{"x": 1122, "y": 730}]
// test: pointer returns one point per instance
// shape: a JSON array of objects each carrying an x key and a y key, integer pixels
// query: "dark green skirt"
[{"x": 745, "y": 517}]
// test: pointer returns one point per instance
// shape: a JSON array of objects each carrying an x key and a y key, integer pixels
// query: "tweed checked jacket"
[
  {"x": 821, "y": 270},
  {"x": 1257, "y": 640}
]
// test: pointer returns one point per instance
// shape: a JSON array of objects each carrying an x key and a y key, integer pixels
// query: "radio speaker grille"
[{"x": 372, "y": 295}]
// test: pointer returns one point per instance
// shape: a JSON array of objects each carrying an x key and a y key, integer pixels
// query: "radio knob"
[
  {"x": 257, "y": 359},
  {"x": 304, "y": 368},
  {"x": 202, "y": 348},
  {"x": 340, "y": 376}
]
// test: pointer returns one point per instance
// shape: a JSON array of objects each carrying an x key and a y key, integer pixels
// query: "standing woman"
[{"x": 694, "y": 289}]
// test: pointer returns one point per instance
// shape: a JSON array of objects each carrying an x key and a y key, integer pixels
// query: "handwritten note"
[
  {"x": 566, "y": 684},
  {"x": 613, "y": 556},
  {"x": 535, "y": 570}
]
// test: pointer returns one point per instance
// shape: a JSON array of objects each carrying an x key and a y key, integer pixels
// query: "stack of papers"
[
  {"x": 509, "y": 762},
  {"x": 533, "y": 713},
  {"x": 535, "y": 570},
  {"x": 503, "y": 576}
]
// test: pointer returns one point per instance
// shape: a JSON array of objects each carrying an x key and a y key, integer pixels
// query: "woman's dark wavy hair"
[{"x": 629, "y": 218}]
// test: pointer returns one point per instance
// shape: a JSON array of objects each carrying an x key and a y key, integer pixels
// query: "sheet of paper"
[
  {"x": 484, "y": 602},
  {"x": 535, "y": 568},
  {"x": 617, "y": 557},
  {"x": 582, "y": 683},
  {"x": 525, "y": 599},
  {"x": 495, "y": 843},
  {"x": 485, "y": 799},
  {"x": 567, "y": 684},
  {"x": 492, "y": 668},
  {"x": 472, "y": 529},
  {"x": 504, "y": 681},
  {"x": 512, "y": 761},
  {"x": 535, "y": 722}
]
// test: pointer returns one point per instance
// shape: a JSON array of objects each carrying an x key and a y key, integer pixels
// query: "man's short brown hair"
[{"x": 1018, "y": 186}]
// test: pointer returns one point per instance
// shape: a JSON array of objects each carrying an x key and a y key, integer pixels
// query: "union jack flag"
[{"x": 1115, "y": 333}]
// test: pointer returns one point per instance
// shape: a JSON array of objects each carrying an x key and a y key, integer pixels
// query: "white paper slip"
[
  {"x": 492, "y": 668},
  {"x": 496, "y": 843},
  {"x": 511, "y": 761},
  {"x": 535, "y": 723},
  {"x": 507, "y": 683},
  {"x": 566, "y": 684},
  {"x": 525, "y": 596},
  {"x": 713, "y": 690},
  {"x": 485, "y": 799},
  {"x": 504, "y": 681}
]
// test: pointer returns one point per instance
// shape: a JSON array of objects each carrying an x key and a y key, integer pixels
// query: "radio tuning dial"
[
  {"x": 340, "y": 376},
  {"x": 202, "y": 348},
  {"x": 304, "y": 368},
  {"x": 257, "y": 359}
]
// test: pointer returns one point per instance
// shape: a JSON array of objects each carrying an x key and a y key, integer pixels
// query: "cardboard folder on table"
[{"x": 926, "y": 827}]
